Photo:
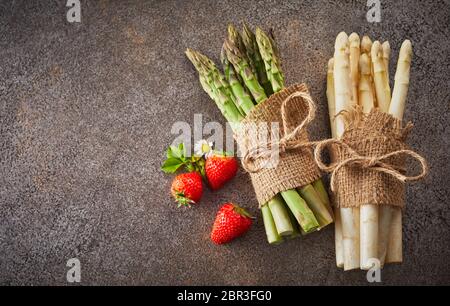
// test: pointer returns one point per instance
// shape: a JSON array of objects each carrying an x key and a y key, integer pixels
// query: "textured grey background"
[{"x": 86, "y": 111}]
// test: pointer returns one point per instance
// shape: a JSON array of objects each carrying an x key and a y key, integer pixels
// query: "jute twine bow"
[
  {"x": 376, "y": 163},
  {"x": 263, "y": 150}
]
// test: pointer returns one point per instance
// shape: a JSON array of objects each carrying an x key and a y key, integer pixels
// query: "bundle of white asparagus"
[{"x": 358, "y": 74}]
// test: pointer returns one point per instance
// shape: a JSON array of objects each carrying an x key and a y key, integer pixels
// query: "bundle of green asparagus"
[
  {"x": 251, "y": 73},
  {"x": 358, "y": 75}
]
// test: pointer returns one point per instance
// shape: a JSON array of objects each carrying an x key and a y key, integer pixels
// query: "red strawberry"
[
  {"x": 220, "y": 169},
  {"x": 231, "y": 222},
  {"x": 187, "y": 188}
]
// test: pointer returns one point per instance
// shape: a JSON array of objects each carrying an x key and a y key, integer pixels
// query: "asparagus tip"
[
  {"x": 245, "y": 26},
  {"x": 366, "y": 44},
  {"x": 223, "y": 55},
  {"x": 406, "y": 46},
  {"x": 233, "y": 33},
  {"x": 188, "y": 52},
  {"x": 386, "y": 50},
  {"x": 341, "y": 41},
  {"x": 231, "y": 27},
  {"x": 331, "y": 64},
  {"x": 354, "y": 37},
  {"x": 376, "y": 49},
  {"x": 405, "y": 51}
]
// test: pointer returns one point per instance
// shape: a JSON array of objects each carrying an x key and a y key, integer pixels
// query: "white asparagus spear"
[
  {"x": 366, "y": 47},
  {"x": 401, "y": 84},
  {"x": 381, "y": 80},
  {"x": 397, "y": 108},
  {"x": 330, "y": 97},
  {"x": 383, "y": 93},
  {"x": 395, "y": 246},
  {"x": 350, "y": 217},
  {"x": 354, "y": 43},
  {"x": 338, "y": 238},
  {"x": 342, "y": 89},
  {"x": 384, "y": 229},
  {"x": 386, "y": 56},
  {"x": 369, "y": 235},
  {"x": 332, "y": 113},
  {"x": 341, "y": 75},
  {"x": 368, "y": 212},
  {"x": 366, "y": 94},
  {"x": 385, "y": 212}
]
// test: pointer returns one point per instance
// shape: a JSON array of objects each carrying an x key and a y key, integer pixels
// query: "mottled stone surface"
[{"x": 86, "y": 113}]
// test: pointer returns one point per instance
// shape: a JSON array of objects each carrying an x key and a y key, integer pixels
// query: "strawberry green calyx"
[
  {"x": 176, "y": 159},
  {"x": 242, "y": 211},
  {"x": 182, "y": 200}
]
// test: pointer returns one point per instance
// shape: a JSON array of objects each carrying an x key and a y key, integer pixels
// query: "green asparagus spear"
[
  {"x": 204, "y": 76},
  {"x": 271, "y": 231},
  {"x": 322, "y": 192},
  {"x": 211, "y": 79},
  {"x": 295, "y": 226},
  {"x": 235, "y": 38},
  {"x": 243, "y": 99},
  {"x": 240, "y": 63},
  {"x": 274, "y": 45},
  {"x": 219, "y": 80},
  {"x": 251, "y": 47},
  {"x": 280, "y": 216},
  {"x": 314, "y": 202},
  {"x": 304, "y": 215},
  {"x": 269, "y": 54}
]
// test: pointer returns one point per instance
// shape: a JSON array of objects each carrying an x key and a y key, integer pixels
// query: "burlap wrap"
[
  {"x": 368, "y": 162},
  {"x": 292, "y": 109}
]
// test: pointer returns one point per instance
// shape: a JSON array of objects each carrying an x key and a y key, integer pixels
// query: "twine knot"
[
  {"x": 262, "y": 152},
  {"x": 374, "y": 163},
  {"x": 371, "y": 162}
]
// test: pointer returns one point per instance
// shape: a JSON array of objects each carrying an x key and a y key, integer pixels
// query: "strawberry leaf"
[
  {"x": 169, "y": 153},
  {"x": 176, "y": 158},
  {"x": 171, "y": 165},
  {"x": 176, "y": 152},
  {"x": 182, "y": 150}
]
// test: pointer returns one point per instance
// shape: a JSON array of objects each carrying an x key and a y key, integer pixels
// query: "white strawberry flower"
[{"x": 203, "y": 148}]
